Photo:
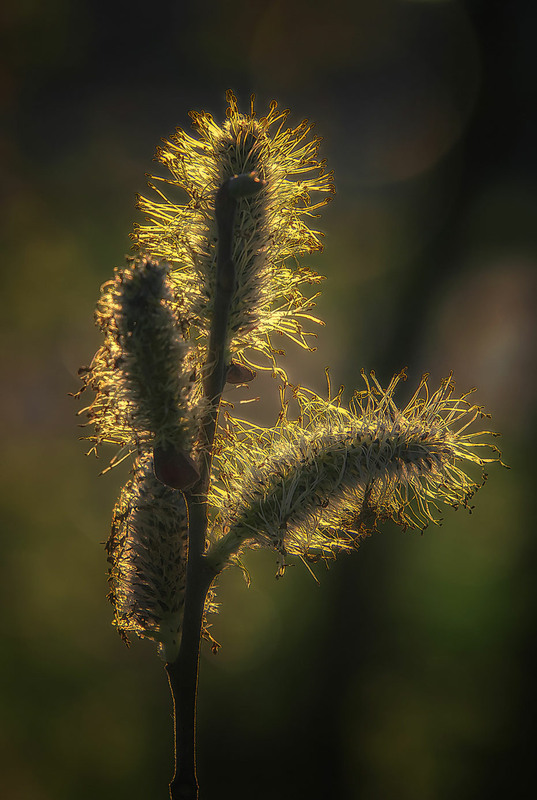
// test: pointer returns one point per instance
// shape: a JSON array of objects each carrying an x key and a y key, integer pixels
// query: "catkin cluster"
[
  {"x": 311, "y": 486},
  {"x": 155, "y": 316}
]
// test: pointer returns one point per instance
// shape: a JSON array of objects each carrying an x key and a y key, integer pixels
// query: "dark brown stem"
[
  {"x": 183, "y": 672},
  {"x": 183, "y": 680}
]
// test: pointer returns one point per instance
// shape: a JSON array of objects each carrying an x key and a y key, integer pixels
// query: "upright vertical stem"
[
  {"x": 183, "y": 676},
  {"x": 183, "y": 672}
]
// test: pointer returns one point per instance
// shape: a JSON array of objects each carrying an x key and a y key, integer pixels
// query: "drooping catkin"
[{"x": 315, "y": 486}]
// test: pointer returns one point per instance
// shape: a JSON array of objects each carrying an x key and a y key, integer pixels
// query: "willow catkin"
[{"x": 315, "y": 486}]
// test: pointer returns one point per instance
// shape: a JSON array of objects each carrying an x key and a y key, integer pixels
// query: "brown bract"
[{"x": 174, "y": 468}]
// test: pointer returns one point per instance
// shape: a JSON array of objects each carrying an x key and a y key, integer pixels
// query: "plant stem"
[
  {"x": 183, "y": 678},
  {"x": 183, "y": 672}
]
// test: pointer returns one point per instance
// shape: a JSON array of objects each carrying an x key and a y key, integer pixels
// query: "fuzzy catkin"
[
  {"x": 147, "y": 552},
  {"x": 314, "y": 487},
  {"x": 153, "y": 354},
  {"x": 270, "y": 231},
  {"x": 142, "y": 372}
]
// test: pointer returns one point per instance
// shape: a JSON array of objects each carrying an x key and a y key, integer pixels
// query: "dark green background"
[{"x": 408, "y": 674}]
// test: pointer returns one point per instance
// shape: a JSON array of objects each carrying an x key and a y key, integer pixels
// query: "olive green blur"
[{"x": 408, "y": 673}]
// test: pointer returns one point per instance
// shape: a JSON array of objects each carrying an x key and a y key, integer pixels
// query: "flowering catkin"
[
  {"x": 270, "y": 233},
  {"x": 147, "y": 551},
  {"x": 314, "y": 486},
  {"x": 142, "y": 373}
]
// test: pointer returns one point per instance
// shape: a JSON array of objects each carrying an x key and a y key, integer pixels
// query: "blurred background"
[{"x": 408, "y": 673}]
